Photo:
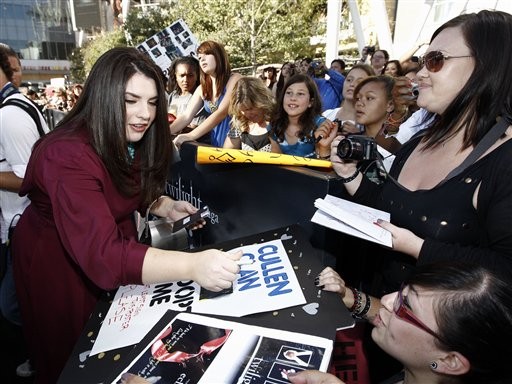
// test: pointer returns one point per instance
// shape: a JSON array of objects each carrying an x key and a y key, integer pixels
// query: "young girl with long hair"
[
  {"x": 297, "y": 127},
  {"x": 217, "y": 83}
]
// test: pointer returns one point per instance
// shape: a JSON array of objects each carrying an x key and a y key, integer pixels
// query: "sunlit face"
[
  {"x": 186, "y": 78},
  {"x": 16, "y": 71},
  {"x": 401, "y": 339},
  {"x": 378, "y": 60},
  {"x": 207, "y": 63},
  {"x": 437, "y": 90},
  {"x": 353, "y": 78},
  {"x": 304, "y": 67},
  {"x": 269, "y": 74},
  {"x": 141, "y": 98},
  {"x": 391, "y": 69},
  {"x": 372, "y": 104},
  {"x": 253, "y": 114},
  {"x": 296, "y": 99},
  {"x": 286, "y": 70}
]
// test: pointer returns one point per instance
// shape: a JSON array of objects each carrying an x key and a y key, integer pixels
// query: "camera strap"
[{"x": 487, "y": 141}]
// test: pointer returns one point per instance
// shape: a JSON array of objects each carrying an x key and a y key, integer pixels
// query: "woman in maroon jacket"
[{"x": 108, "y": 158}]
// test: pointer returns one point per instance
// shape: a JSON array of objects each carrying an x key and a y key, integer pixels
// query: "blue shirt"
[
  {"x": 330, "y": 90},
  {"x": 304, "y": 147}
]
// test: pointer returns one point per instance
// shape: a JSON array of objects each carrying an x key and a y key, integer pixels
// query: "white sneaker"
[{"x": 25, "y": 369}]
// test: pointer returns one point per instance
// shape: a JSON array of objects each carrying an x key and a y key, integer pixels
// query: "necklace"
[{"x": 213, "y": 106}]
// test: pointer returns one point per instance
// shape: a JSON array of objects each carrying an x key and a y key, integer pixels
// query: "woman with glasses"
[
  {"x": 448, "y": 323},
  {"x": 439, "y": 209}
]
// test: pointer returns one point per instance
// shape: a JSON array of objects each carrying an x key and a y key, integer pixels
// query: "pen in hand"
[
  {"x": 317, "y": 140},
  {"x": 245, "y": 262}
]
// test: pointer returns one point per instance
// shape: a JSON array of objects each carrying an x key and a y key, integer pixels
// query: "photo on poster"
[
  {"x": 177, "y": 28},
  {"x": 156, "y": 52},
  {"x": 195, "y": 349},
  {"x": 151, "y": 42},
  {"x": 187, "y": 43},
  {"x": 163, "y": 34}
]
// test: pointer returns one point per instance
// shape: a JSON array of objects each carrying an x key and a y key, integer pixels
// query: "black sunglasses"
[{"x": 434, "y": 60}]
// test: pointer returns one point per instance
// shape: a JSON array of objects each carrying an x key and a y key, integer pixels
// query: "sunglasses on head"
[
  {"x": 401, "y": 311},
  {"x": 434, "y": 60}
]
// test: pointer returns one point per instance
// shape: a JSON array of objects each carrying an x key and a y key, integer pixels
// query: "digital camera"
[
  {"x": 370, "y": 49},
  {"x": 357, "y": 147}
]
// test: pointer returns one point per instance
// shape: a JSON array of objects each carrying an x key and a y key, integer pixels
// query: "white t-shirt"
[
  {"x": 18, "y": 133},
  {"x": 411, "y": 126}
]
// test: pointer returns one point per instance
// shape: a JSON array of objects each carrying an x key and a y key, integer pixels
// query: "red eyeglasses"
[
  {"x": 402, "y": 312},
  {"x": 434, "y": 60}
]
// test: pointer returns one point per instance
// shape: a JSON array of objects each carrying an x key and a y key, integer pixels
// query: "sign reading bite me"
[{"x": 268, "y": 283}]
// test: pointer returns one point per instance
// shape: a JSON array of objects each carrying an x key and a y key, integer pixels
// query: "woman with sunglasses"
[
  {"x": 448, "y": 323},
  {"x": 438, "y": 213}
]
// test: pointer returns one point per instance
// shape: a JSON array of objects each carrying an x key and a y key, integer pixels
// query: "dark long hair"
[
  {"x": 5, "y": 65},
  {"x": 280, "y": 119},
  {"x": 172, "y": 84},
  {"x": 281, "y": 81},
  {"x": 488, "y": 91},
  {"x": 100, "y": 113},
  {"x": 222, "y": 70},
  {"x": 474, "y": 316}
]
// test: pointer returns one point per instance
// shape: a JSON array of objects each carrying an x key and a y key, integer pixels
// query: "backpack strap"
[{"x": 29, "y": 109}]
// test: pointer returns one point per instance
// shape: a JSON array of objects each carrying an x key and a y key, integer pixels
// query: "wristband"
[
  {"x": 357, "y": 299},
  {"x": 364, "y": 311},
  {"x": 345, "y": 180}
]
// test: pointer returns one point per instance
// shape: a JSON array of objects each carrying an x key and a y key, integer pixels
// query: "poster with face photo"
[{"x": 171, "y": 42}]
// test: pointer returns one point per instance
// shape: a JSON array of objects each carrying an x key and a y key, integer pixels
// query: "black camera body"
[
  {"x": 357, "y": 147},
  {"x": 370, "y": 50}
]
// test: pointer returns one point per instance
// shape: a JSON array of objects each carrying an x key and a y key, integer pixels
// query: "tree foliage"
[
  {"x": 102, "y": 43},
  {"x": 253, "y": 31}
]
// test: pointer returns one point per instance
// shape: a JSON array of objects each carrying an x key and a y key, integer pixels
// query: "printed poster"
[
  {"x": 268, "y": 284},
  {"x": 171, "y": 42},
  {"x": 197, "y": 349}
]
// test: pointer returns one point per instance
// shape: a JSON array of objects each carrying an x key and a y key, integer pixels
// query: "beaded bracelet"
[
  {"x": 357, "y": 299},
  {"x": 345, "y": 180},
  {"x": 364, "y": 311},
  {"x": 327, "y": 157}
]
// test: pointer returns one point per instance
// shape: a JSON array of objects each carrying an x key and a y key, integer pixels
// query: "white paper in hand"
[{"x": 352, "y": 218}]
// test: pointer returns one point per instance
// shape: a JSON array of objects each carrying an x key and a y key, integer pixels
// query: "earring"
[{"x": 433, "y": 365}]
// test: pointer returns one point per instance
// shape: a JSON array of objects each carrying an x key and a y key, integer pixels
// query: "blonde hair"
[{"x": 249, "y": 92}]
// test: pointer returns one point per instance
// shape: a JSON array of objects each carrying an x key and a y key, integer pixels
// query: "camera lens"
[
  {"x": 344, "y": 149},
  {"x": 351, "y": 148}
]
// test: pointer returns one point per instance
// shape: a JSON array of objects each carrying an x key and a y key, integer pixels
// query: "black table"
[{"x": 306, "y": 261}]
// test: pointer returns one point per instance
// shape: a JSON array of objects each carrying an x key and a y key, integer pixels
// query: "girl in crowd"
[
  {"x": 448, "y": 323},
  {"x": 183, "y": 81},
  {"x": 107, "y": 158},
  {"x": 287, "y": 71},
  {"x": 297, "y": 128},
  {"x": 270, "y": 77},
  {"x": 439, "y": 210},
  {"x": 373, "y": 104},
  {"x": 214, "y": 93},
  {"x": 392, "y": 68},
  {"x": 251, "y": 106},
  {"x": 345, "y": 115}
]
